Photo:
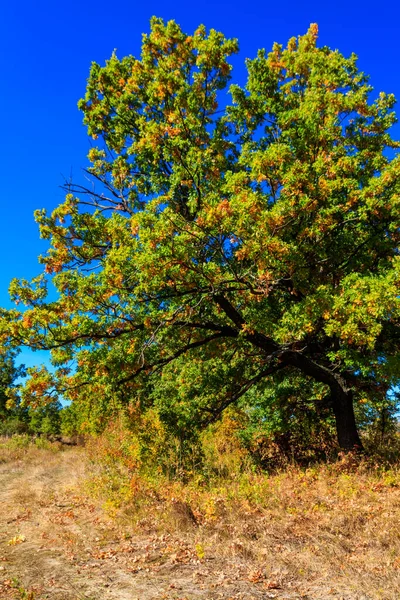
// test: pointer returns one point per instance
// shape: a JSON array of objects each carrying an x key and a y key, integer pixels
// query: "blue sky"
[{"x": 46, "y": 51}]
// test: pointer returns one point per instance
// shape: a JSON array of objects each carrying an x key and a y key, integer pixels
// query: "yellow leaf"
[
  {"x": 17, "y": 539},
  {"x": 200, "y": 551}
]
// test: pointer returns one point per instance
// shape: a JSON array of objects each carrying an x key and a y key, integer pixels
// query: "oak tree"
[{"x": 221, "y": 242}]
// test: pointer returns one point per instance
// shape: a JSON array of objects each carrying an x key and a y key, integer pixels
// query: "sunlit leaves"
[{"x": 285, "y": 205}]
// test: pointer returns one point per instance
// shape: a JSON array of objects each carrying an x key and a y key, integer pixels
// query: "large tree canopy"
[{"x": 218, "y": 243}]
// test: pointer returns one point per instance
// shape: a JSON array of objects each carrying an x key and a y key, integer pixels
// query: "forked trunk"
[{"x": 346, "y": 427}]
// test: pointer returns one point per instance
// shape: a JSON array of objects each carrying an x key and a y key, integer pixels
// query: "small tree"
[
  {"x": 220, "y": 245},
  {"x": 13, "y": 418}
]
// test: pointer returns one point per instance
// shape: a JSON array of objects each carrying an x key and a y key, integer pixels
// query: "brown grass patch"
[
  {"x": 321, "y": 533},
  {"x": 328, "y": 532}
]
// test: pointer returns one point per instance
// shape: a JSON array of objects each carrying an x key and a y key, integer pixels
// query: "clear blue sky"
[{"x": 46, "y": 51}]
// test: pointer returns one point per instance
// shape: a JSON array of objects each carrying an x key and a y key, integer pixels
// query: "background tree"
[
  {"x": 13, "y": 418},
  {"x": 46, "y": 419},
  {"x": 221, "y": 245}
]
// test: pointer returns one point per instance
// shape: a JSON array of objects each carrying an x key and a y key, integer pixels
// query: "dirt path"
[{"x": 55, "y": 544}]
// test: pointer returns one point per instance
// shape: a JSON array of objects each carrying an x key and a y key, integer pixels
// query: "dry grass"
[
  {"x": 23, "y": 447},
  {"x": 335, "y": 532},
  {"x": 330, "y": 532},
  {"x": 321, "y": 533}
]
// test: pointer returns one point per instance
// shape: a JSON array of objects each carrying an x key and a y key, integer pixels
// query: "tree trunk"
[
  {"x": 341, "y": 396},
  {"x": 346, "y": 427}
]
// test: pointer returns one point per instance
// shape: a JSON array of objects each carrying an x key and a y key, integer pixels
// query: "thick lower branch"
[{"x": 341, "y": 397}]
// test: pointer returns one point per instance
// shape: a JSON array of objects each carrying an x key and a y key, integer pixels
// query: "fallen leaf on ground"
[{"x": 17, "y": 539}]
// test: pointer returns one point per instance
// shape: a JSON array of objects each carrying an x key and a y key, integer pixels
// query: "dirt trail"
[{"x": 54, "y": 544}]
